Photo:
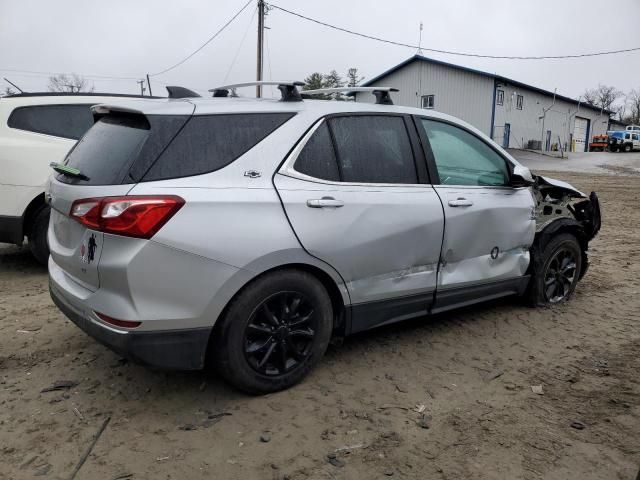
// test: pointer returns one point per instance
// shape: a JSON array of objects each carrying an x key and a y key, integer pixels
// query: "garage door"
[{"x": 580, "y": 132}]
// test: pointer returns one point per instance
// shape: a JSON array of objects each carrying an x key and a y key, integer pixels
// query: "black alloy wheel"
[
  {"x": 274, "y": 331},
  {"x": 280, "y": 333},
  {"x": 559, "y": 275}
]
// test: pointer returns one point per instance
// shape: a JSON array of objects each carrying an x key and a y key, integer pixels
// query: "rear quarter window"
[
  {"x": 66, "y": 121},
  {"x": 210, "y": 142}
]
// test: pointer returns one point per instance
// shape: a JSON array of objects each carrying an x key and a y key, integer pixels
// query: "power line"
[
  {"x": 450, "y": 52},
  {"x": 266, "y": 44},
  {"x": 233, "y": 62},
  {"x": 205, "y": 43}
]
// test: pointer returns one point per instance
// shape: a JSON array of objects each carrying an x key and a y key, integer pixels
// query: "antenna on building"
[{"x": 420, "y": 40}]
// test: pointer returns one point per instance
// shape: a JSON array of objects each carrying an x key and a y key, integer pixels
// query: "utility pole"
[
  {"x": 149, "y": 85},
  {"x": 260, "y": 46},
  {"x": 142, "y": 89}
]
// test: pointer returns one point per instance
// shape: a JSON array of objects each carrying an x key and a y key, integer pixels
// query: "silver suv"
[{"x": 246, "y": 234}]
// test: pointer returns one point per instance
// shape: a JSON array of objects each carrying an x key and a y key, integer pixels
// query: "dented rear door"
[{"x": 362, "y": 209}]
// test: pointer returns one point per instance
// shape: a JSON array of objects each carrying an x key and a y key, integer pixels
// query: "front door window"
[{"x": 462, "y": 158}]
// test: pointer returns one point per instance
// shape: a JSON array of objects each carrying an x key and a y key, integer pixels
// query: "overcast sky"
[{"x": 125, "y": 38}]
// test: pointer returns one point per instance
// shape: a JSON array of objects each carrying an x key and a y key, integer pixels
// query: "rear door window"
[
  {"x": 66, "y": 121},
  {"x": 373, "y": 149},
  {"x": 210, "y": 142}
]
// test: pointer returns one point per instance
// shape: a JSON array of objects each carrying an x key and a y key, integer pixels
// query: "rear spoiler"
[
  {"x": 107, "y": 109},
  {"x": 144, "y": 108}
]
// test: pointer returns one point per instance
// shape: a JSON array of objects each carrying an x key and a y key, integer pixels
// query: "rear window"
[
  {"x": 210, "y": 142},
  {"x": 106, "y": 152},
  {"x": 66, "y": 121}
]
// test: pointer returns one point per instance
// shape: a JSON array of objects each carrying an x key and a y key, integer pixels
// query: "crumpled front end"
[
  {"x": 556, "y": 200},
  {"x": 559, "y": 206}
]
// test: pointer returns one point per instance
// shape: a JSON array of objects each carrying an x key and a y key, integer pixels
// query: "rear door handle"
[
  {"x": 325, "y": 202},
  {"x": 460, "y": 202}
]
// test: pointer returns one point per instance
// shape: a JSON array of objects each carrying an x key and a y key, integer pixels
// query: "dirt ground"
[{"x": 356, "y": 416}]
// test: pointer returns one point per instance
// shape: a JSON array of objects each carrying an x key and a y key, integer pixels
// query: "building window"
[
  {"x": 500, "y": 97},
  {"x": 519, "y": 102},
  {"x": 428, "y": 101}
]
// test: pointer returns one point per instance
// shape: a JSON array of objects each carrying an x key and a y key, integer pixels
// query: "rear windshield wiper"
[{"x": 67, "y": 170}]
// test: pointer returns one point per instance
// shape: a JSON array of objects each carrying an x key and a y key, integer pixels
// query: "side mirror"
[{"x": 521, "y": 177}]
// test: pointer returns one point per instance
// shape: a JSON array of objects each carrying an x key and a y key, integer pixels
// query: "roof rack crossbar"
[
  {"x": 288, "y": 89},
  {"x": 382, "y": 94}
]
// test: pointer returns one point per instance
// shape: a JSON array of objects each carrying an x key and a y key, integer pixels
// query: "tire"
[
  {"x": 628, "y": 148},
  {"x": 256, "y": 329},
  {"x": 38, "y": 235},
  {"x": 546, "y": 261}
]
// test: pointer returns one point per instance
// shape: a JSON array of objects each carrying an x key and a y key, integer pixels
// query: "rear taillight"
[{"x": 139, "y": 216}]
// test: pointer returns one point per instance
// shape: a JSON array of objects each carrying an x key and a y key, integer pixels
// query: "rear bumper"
[
  {"x": 168, "y": 349},
  {"x": 11, "y": 230}
]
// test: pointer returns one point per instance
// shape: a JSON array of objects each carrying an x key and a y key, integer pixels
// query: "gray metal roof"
[{"x": 497, "y": 77}]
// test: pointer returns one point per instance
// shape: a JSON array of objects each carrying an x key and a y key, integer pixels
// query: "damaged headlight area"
[{"x": 557, "y": 200}]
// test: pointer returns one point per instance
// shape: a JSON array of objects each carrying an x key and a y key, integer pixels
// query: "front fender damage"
[
  {"x": 557, "y": 200},
  {"x": 560, "y": 207}
]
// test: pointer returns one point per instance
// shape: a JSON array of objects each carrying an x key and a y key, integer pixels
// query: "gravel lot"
[{"x": 469, "y": 372}]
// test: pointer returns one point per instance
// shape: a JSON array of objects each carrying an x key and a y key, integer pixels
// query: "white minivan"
[{"x": 35, "y": 130}]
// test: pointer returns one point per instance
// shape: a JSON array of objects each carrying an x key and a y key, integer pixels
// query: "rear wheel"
[
  {"x": 556, "y": 271},
  {"x": 274, "y": 332},
  {"x": 38, "y": 235}
]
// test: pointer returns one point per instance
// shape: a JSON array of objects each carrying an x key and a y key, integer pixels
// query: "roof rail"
[
  {"x": 77, "y": 94},
  {"x": 287, "y": 88},
  {"x": 180, "y": 92},
  {"x": 381, "y": 93}
]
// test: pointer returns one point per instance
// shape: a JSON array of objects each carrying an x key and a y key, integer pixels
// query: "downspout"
[{"x": 493, "y": 107}]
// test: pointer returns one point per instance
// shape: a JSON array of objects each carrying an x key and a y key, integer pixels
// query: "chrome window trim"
[
  {"x": 468, "y": 187},
  {"x": 288, "y": 170}
]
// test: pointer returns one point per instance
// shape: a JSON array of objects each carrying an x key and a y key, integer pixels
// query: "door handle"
[
  {"x": 325, "y": 202},
  {"x": 460, "y": 202}
]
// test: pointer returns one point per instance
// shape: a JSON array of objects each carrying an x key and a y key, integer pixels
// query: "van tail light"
[{"x": 139, "y": 216}]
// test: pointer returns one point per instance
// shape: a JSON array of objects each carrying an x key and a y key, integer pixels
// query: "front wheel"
[
  {"x": 274, "y": 332},
  {"x": 628, "y": 148},
  {"x": 556, "y": 271}
]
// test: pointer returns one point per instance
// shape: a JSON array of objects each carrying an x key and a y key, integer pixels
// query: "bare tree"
[
  {"x": 7, "y": 91},
  {"x": 69, "y": 83},
  {"x": 633, "y": 101},
  {"x": 622, "y": 108},
  {"x": 603, "y": 96}
]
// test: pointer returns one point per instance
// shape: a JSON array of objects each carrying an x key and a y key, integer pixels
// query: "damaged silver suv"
[{"x": 245, "y": 233}]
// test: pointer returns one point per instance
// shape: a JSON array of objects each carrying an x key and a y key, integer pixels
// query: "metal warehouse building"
[{"x": 514, "y": 114}]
